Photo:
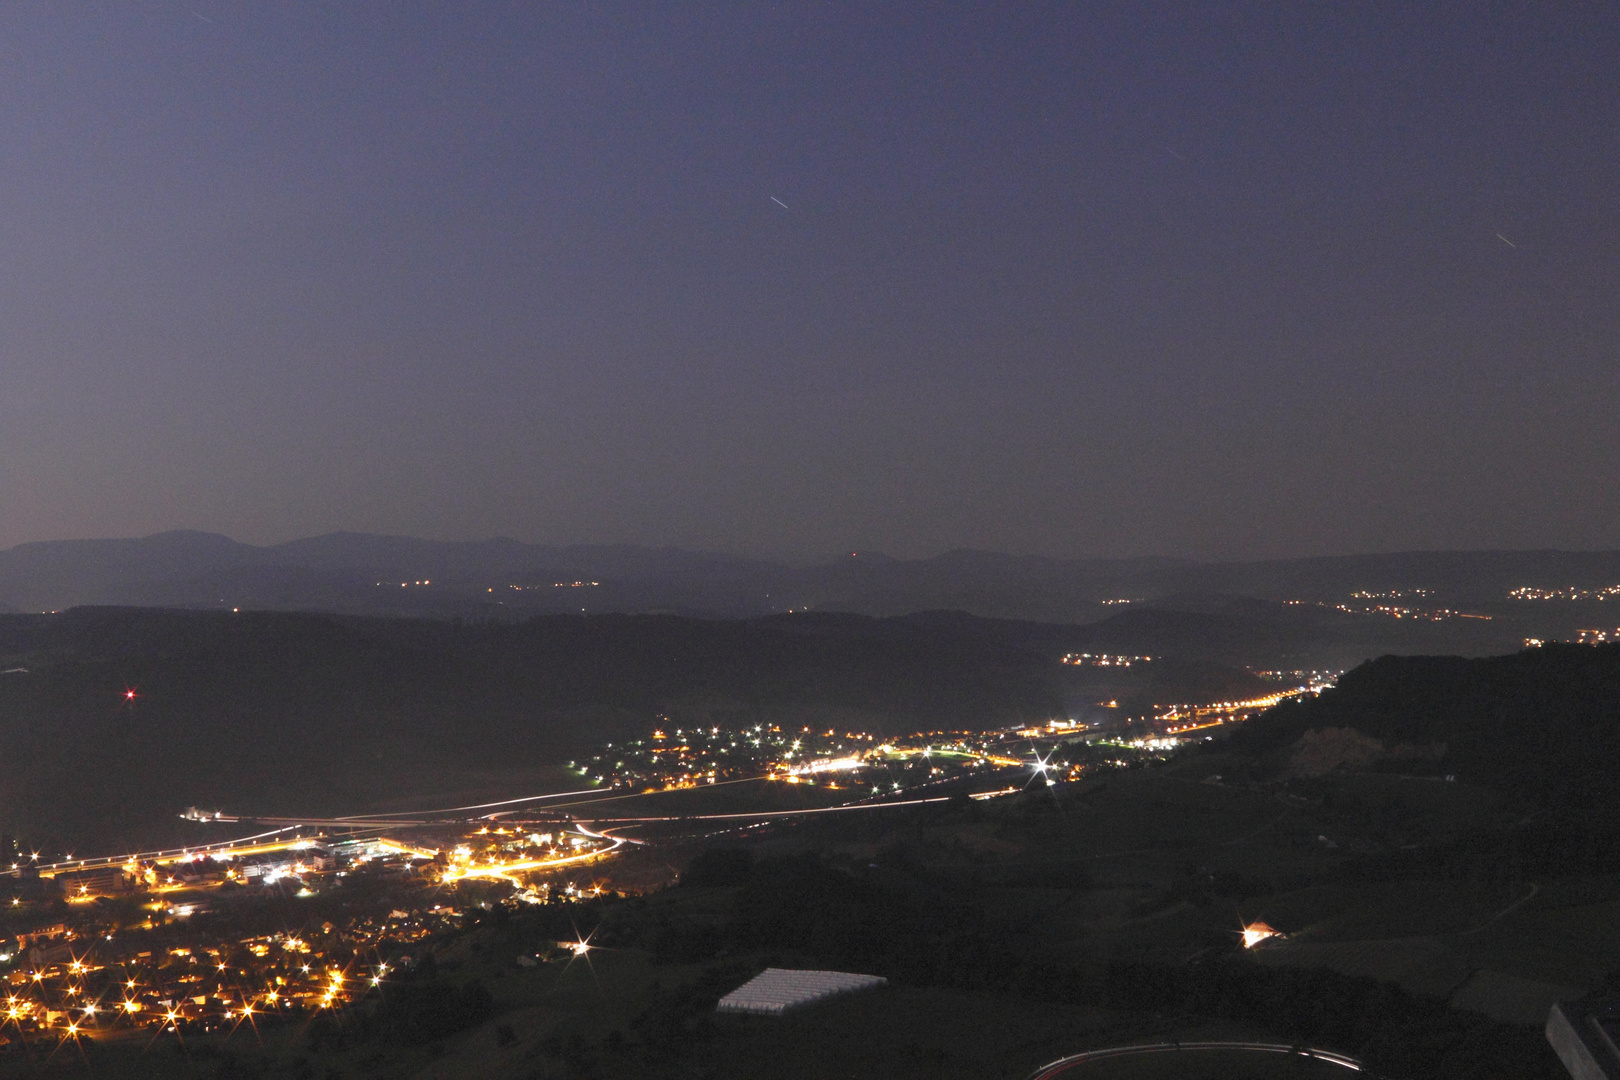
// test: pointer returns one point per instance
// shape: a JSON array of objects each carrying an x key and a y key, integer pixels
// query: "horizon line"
[{"x": 803, "y": 563}]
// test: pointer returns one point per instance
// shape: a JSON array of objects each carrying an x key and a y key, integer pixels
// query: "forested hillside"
[{"x": 1540, "y": 727}]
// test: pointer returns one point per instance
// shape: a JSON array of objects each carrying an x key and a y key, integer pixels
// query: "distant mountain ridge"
[{"x": 367, "y": 574}]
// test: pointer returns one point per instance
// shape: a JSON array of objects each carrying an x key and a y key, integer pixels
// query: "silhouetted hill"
[
  {"x": 1541, "y": 726},
  {"x": 1284, "y": 607}
]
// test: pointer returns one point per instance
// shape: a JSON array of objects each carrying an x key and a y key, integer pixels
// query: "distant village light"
[{"x": 1255, "y": 933}]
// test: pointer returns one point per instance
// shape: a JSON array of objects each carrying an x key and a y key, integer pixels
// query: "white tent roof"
[{"x": 776, "y": 990}]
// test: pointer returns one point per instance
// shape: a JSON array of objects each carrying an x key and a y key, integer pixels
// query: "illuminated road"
[
  {"x": 1203, "y": 717},
  {"x": 172, "y": 855},
  {"x": 358, "y": 826},
  {"x": 506, "y": 869},
  {"x": 276, "y": 840},
  {"x": 770, "y": 813},
  {"x": 1063, "y": 1065},
  {"x": 411, "y": 818},
  {"x": 407, "y": 818},
  {"x": 637, "y": 795},
  {"x": 474, "y": 806}
]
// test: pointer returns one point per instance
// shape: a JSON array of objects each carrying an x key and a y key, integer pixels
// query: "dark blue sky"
[{"x": 1217, "y": 280}]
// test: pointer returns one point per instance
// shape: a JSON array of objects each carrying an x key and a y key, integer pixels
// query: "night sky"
[{"x": 1207, "y": 280}]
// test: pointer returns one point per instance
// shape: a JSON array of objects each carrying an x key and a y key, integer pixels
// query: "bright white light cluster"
[{"x": 820, "y": 765}]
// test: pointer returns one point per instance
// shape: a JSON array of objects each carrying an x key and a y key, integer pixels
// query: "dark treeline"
[
  {"x": 1542, "y": 725},
  {"x": 1541, "y": 728}
]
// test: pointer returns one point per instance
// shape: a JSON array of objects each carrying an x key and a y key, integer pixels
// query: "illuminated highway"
[
  {"x": 757, "y": 814},
  {"x": 461, "y": 809},
  {"x": 505, "y": 869},
  {"x": 170, "y": 855},
  {"x": 696, "y": 759},
  {"x": 1181, "y": 719},
  {"x": 289, "y": 833}
]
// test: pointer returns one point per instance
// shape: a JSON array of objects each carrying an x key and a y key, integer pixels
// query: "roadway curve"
[{"x": 1062, "y": 1065}]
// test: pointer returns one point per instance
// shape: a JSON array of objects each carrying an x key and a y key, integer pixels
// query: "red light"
[{"x": 129, "y": 695}]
